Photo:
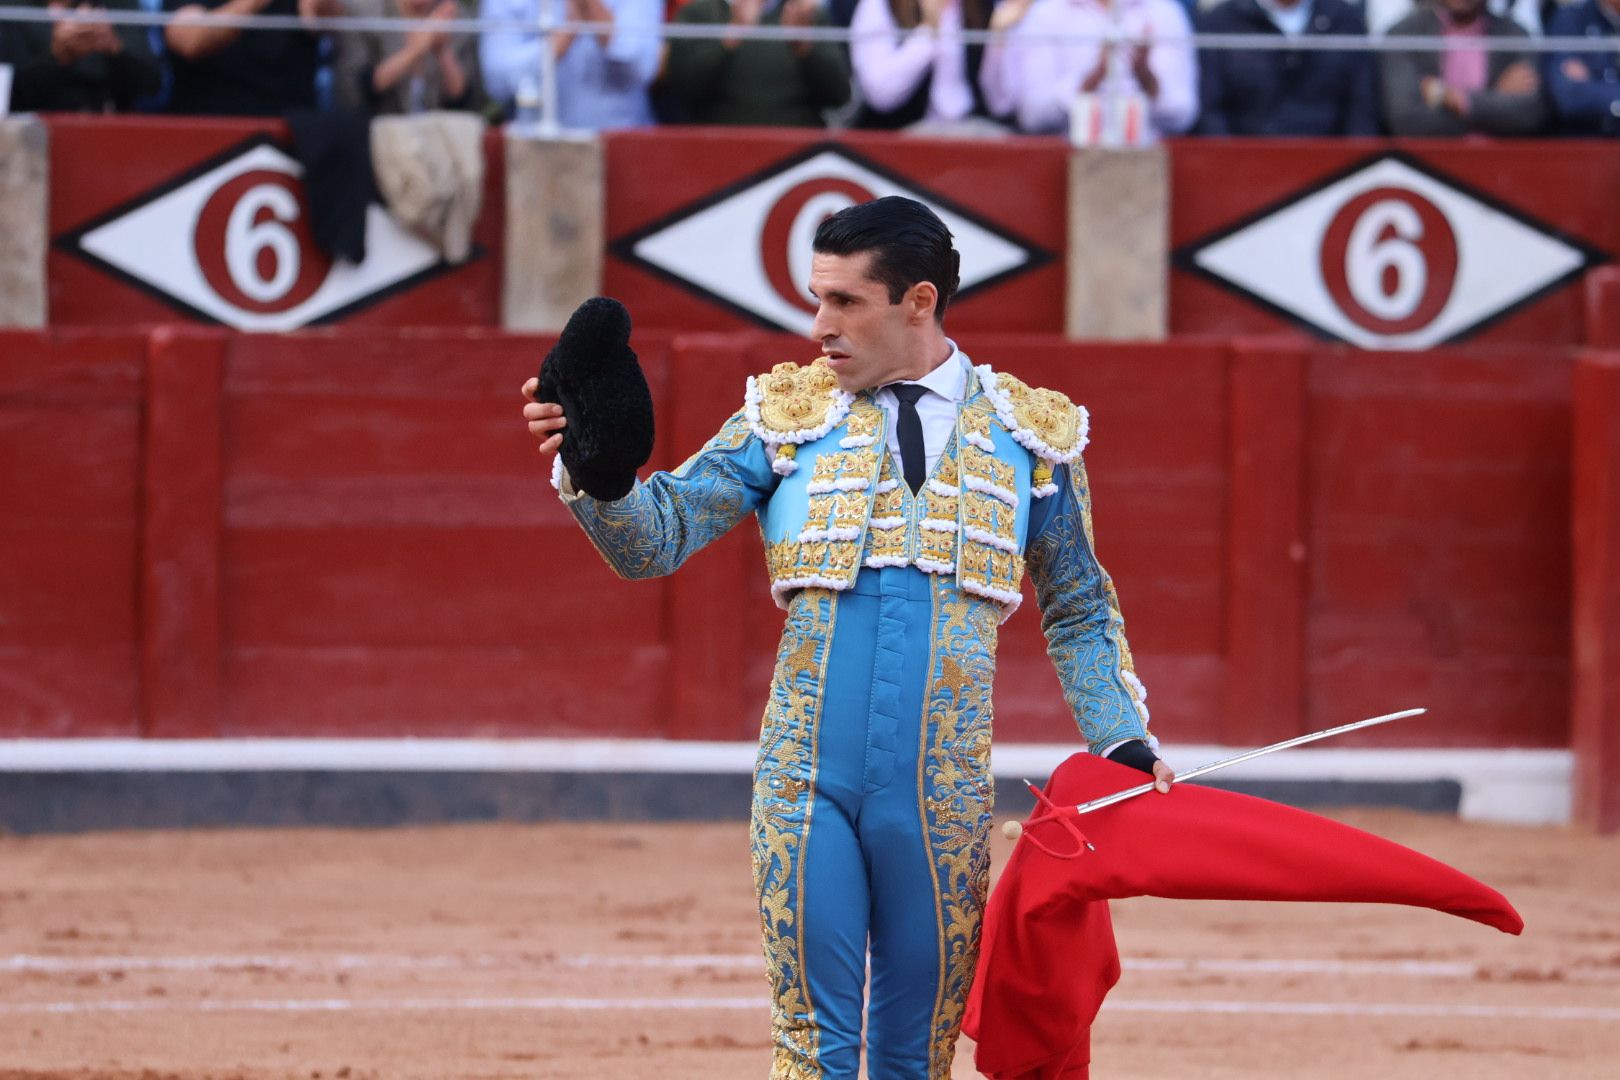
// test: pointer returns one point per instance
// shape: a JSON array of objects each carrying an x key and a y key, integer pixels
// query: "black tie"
[{"x": 913, "y": 458}]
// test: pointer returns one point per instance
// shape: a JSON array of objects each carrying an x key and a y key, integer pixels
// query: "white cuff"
[{"x": 562, "y": 482}]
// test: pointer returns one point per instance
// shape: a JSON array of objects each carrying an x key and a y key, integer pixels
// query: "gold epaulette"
[
  {"x": 792, "y": 404},
  {"x": 1044, "y": 422}
]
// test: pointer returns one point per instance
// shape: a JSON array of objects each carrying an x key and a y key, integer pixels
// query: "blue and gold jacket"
[{"x": 1008, "y": 495}]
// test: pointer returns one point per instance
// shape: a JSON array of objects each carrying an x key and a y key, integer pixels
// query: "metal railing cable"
[{"x": 546, "y": 25}]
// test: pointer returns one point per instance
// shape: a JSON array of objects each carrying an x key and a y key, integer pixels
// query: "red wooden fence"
[{"x": 344, "y": 533}]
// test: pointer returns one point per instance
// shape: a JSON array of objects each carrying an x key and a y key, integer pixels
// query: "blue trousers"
[{"x": 875, "y": 778}]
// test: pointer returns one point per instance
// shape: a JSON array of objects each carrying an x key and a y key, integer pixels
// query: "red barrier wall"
[
  {"x": 70, "y": 438},
  {"x": 1439, "y": 553},
  {"x": 343, "y": 534},
  {"x": 392, "y": 561}
]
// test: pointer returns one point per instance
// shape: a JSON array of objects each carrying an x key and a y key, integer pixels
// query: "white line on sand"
[
  {"x": 752, "y": 1004},
  {"x": 317, "y": 963}
]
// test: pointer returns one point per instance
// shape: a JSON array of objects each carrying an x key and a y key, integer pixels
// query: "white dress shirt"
[
  {"x": 1036, "y": 75},
  {"x": 946, "y": 386},
  {"x": 890, "y": 63}
]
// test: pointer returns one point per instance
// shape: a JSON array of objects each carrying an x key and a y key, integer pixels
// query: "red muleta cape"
[{"x": 1048, "y": 958}]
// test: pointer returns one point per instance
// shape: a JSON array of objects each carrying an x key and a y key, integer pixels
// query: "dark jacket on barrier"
[
  {"x": 334, "y": 149},
  {"x": 1589, "y": 105},
  {"x": 1489, "y": 112},
  {"x": 105, "y": 72},
  {"x": 1288, "y": 92}
]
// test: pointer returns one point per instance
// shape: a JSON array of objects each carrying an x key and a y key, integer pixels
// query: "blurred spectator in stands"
[
  {"x": 386, "y": 72},
  {"x": 1036, "y": 76},
  {"x": 912, "y": 67},
  {"x": 224, "y": 71},
  {"x": 1464, "y": 88},
  {"x": 1288, "y": 92},
  {"x": 602, "y": 78},
  {"x": 1585, "y": 87},
  {"x": 158, "y": 101},
  {"x": 79, "y": 62},
  {"x": 1382, "y": 15},
  {"x": 732, "y": 81}
]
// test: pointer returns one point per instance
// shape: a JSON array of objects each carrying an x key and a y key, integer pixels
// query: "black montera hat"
[{"x": 592, "y": 373}]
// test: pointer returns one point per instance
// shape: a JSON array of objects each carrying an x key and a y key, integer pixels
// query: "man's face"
[{"x": 867, "y": 340}]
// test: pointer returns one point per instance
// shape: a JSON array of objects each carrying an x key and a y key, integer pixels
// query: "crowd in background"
[{"x": 909, "y": 66}]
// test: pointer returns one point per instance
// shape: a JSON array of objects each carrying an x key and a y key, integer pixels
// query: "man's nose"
[{"x": 822, "y": 328}]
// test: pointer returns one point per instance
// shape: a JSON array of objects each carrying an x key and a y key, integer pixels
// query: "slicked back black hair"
[{"x": 907, "y": 240}]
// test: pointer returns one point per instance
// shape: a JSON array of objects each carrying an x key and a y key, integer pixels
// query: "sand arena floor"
[{"x": 631, "y": 951}]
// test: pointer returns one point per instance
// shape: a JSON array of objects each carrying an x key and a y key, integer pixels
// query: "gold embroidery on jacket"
[
  {"x": 863, "y": 424},
  {"x": 827, "y": 551},
  {"x": 886, "y": 536},
  {"x": 849, "y": 510},
  {"x": 990, "y": 563}
]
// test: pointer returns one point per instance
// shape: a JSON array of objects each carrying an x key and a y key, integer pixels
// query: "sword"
[{"x": 1014, "y": 829}]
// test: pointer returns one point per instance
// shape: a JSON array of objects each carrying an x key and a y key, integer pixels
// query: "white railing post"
[{"x": 549, "y": 125}]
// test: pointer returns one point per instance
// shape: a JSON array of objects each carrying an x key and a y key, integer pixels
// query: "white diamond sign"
[
  {"x": 751, "y": 249},
  {"x": 233, "y": 244},
  {"x": 1390, "y": 257}
]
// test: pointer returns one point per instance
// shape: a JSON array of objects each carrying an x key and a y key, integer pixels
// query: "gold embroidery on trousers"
[
  {"x": 784, "y": 793},
  {"x": 958, "y": 797}
]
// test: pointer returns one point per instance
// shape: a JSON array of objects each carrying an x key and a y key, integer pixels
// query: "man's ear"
[{"x": 921, "y": 299}]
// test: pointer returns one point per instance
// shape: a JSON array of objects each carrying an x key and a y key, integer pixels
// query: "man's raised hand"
[{"x": 545, "y": 419}]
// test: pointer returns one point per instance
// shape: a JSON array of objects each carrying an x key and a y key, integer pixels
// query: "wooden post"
[
  {"x": 1595, "y": 512},
  {"x": 180, "y": 551},
  {"x": 1603, "y": 308}
]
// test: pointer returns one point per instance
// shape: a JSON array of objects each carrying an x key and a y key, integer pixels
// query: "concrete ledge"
[
  {"x": 32, "y": 803},
  {"x": 95, "y": 801},
  {"x": 24, "y": 216},
  {"x": 554, "y": 230},
  {"x": 70, "y": 785}
]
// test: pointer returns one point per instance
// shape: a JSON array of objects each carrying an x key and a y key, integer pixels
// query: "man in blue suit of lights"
[{"x": 902, "y": 493}]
